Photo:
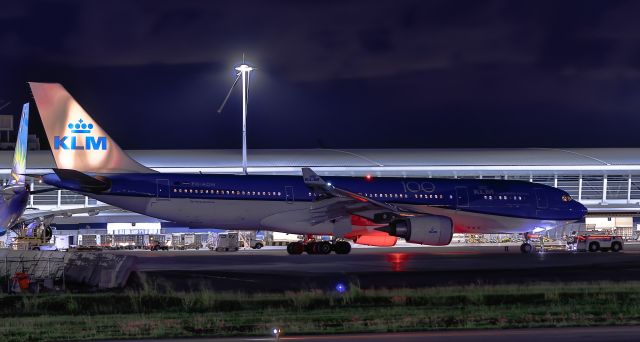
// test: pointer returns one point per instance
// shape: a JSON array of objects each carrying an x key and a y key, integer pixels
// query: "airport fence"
[{"x": 32, "y": 272}]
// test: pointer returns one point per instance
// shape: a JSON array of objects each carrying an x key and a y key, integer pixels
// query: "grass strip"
[{"x": 204, "y": 313}]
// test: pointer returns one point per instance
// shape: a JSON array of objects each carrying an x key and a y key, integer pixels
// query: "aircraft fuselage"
[{"x": 282, "y": 203}]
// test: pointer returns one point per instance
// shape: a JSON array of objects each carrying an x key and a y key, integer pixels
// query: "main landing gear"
[{"x": 319, "y": 247}]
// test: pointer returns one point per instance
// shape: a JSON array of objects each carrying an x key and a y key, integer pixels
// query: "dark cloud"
[{"x": 348, "y": 73}]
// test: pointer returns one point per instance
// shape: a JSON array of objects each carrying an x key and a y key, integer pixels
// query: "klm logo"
[{"x": 82, "y": 140}]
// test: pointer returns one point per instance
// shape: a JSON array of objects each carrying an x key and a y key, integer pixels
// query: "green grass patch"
[{"x": 205, "y": 313}]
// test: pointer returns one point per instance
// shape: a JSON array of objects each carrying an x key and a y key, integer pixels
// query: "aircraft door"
[
  {"x": 462, "y": 197},
  {"x": 288, "y": 193},
  {"x": 163, "y": 191},
  {"x": 541, "y": 199}
]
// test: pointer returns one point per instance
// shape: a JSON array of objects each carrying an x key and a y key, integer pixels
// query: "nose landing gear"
[{"x": 526, "y": 246}]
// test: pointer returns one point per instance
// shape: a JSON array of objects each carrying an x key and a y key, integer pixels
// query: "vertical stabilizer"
[
  {"x": 76, "y": 140},
  {"x": 20, "y": 154}
]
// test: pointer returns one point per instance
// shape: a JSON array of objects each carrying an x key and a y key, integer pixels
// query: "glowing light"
[
  {"x": 329, "y": 184},
  {"x": 368, "y": 178},
  {"x": 341, "y": 288},
  {"x": 244, "y": 68},
  {"x": 398, "y": 261}
]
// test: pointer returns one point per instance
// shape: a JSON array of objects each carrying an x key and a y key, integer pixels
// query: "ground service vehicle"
[
  {"x": 594, "y": 243},
  {"x": 226, "y": 242},
  {"x": 186, "y": 241},
  {"x": 156, "y": 245},
  {"x": 256, "y": 243}
]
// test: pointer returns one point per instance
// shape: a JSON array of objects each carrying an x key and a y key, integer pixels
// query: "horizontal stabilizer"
[
  {"x": 81, "y": 181},
  {"x": 41, "y": 191}
]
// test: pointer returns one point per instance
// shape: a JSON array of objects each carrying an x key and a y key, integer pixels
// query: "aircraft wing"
[
  {"x": 30, "y": 215},
  {"x": 314, "y": 181},
  {"x": 337, "y": 205}
]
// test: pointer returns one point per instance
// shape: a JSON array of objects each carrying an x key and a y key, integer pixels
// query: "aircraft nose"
[{"x": 580, "y": 209}]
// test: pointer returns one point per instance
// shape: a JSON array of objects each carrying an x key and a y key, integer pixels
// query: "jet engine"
[{"x": 425, "y": 230}]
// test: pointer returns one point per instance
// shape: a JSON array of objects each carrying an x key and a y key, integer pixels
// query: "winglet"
[{"x": 311, "y": 178}]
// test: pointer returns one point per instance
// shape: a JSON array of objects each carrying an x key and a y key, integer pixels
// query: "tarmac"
[
  {"x": 272, "y": 269},
  {"x": 578, "y": 334}
]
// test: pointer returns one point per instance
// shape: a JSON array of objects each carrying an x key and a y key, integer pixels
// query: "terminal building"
[{"x": 605, "y": 180}]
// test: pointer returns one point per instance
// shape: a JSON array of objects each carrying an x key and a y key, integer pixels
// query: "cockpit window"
[{"x": 566, "y": 198}]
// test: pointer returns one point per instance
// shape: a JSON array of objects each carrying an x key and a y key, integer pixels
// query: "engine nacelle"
[{"x": 425, "y": 230}]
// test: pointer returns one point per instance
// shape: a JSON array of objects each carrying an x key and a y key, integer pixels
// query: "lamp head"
[{"x": 244, "y": 68}]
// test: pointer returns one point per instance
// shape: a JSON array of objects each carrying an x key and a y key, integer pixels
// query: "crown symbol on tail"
[{"x": 80, "y": 127}]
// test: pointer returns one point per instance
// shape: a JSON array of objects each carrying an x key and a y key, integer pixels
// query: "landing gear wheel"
[
  {"x": 594, "y": 246},
  {"x": 310, "y": 247},
  {"x": 526, "y": 248},
  {"x": 323, "y": 247},
  {"x": 342, "y": 247},
  {"x": 295, "y": 248},
  {"x": 616, "y": 247}
]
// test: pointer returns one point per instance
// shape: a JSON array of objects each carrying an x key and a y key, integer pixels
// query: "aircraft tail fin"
[
  {"x": 76, "y": 140},
  {"x": 20, "y": 154}
]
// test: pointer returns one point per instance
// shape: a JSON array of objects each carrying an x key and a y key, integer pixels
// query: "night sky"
[{"x": 336, "y": 74}]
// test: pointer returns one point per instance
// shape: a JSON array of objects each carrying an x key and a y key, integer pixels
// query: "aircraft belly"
[
  {"x": 295, "y": 217},
  {"x": 131, "y": 203},
  {"x": 469, "y": 222},
  {"x": 223, "y": 214}
]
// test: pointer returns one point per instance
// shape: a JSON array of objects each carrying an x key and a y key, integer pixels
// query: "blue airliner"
[{"x": 373, "y": 211}]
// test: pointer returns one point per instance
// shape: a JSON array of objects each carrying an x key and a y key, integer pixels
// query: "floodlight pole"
[{"x": 244, "y": 72}]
